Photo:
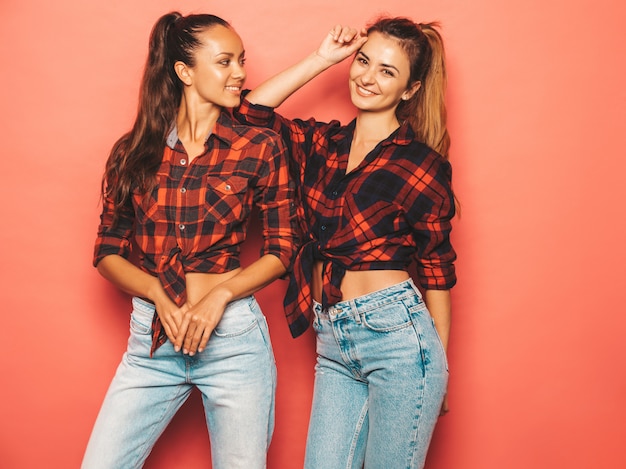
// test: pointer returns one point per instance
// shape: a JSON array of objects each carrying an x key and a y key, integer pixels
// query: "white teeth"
[
  {"x": 364, "y": 91},
  {"x": 233, "y": 88}
]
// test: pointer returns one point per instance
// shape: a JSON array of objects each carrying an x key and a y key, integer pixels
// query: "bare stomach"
[
  {"x": 357, "y": 283},
  {"x": 199, "y": 284}
]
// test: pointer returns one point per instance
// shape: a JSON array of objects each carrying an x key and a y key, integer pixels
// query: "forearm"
[
  {"x": 337, "y": 45},
  {"x": 249, "y": 280},
  {"x": 278, "y": 88},
  {"x": 439, "y": 305},
  {"x": 129, "y": 278}
]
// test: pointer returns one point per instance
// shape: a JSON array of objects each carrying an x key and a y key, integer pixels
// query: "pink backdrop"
[{"x": 538, "y": 119}]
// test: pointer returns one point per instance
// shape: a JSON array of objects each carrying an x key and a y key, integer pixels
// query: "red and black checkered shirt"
[
  {"x": 396, "y": 206},
  {"x": 196, "y": 217}
]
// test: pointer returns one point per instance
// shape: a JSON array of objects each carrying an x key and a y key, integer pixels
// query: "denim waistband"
[
  {"x": 146, "y": 306},
  {"x": 142, "y": 305},
  {"x": 362, "y": 304}
]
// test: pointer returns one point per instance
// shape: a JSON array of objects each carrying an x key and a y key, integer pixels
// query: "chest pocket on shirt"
[
  {"x": 225, "y": 198},
  {"x": 147, "y": 206}
]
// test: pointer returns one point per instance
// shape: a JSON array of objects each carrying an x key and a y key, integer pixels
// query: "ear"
[
  {"x": 410, "y": 92},
  {"x": 183, "y": 72}
]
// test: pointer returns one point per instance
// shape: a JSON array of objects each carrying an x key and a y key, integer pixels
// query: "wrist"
[
  {"x": 321, "y": 63},
  {"x": 221, "y": 295},
  {"x": 155, "y": 291}
]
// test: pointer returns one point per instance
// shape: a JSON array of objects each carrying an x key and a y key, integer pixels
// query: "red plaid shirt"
[
  {"x": 395, "y": 206},
  {"x": 196, "y": 217}
]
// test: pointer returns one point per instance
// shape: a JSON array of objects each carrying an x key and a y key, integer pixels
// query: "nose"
[
  {"x": 239, "y": 71},
  {"x": 367, "y": 77}
]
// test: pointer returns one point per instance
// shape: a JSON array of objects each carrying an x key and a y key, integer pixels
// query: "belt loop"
[{"x": 355, "y": 311}]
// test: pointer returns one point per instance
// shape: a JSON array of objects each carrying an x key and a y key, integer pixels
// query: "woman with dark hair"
[
  {"x": 180, "y": 187},
  {"x": 372, "y": 195}
]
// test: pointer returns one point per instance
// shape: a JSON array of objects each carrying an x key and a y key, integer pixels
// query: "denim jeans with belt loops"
[
  {"x": 380, "y": 379},
  {"x": 236, "y": 375}
]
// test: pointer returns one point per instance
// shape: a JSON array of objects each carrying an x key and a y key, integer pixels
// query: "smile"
[{"x": 364, "y": 92}]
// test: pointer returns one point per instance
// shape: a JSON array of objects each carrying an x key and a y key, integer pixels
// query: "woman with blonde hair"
[{"x": 373, "y": 195}]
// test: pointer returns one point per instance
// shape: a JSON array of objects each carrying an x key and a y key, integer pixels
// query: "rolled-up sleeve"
[
  {"x": 275, "y": 199},
  {"x": 298, "y": 134},
  {"x": 114, "y": 238},
  {"x": 434, "y": 208}
]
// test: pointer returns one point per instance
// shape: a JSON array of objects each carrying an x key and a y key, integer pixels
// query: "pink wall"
[{"x": 538, "y": 120}]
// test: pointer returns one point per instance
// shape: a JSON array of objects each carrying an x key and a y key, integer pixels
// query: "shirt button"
[
  {"x": 181, "y": 227},
  {"x": 335, "y": 193},
  {"x": 183, "y": 161},
  {"x": 227, "y": 187},
  {"x": 183, "y": 190},
  {"x": 323, "y": 227}
]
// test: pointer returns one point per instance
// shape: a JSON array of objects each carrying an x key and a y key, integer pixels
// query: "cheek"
[{"x": 354, "y": 70}]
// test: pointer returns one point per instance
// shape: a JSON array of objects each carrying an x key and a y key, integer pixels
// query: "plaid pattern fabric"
[
  {"x": 196, "y": 217},
  {"x": 395, "y": 206}
]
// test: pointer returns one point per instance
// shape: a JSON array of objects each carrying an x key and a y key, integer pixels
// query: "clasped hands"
[{"x": 189, "y": 327}]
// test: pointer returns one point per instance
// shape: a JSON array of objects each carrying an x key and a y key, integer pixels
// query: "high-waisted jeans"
[
  {"x": 380, "y": 380},
  {"x": 236, "y": 375}
]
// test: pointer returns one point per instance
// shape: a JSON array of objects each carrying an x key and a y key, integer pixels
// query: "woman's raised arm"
[{"x": 341, "y": 42}]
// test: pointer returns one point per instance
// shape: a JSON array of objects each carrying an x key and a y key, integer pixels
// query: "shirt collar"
[
  {"x": 223, "y": 131},
  {"x": 403, "y": 135}
]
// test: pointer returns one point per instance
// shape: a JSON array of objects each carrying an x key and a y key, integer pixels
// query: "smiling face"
[
  {"x": 379, "y": 75},
  {"x": 218, "y": 73}
]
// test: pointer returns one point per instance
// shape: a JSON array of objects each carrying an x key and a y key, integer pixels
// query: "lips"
[{"x": 364, "y": 92}]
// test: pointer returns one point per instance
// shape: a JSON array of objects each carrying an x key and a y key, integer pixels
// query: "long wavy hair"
[
  {"x": 136, "y": 156},
  {"x": 426, "y": 110}
]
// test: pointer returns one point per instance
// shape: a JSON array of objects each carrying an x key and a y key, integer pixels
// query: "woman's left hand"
[{"x": 200, "y": 320}]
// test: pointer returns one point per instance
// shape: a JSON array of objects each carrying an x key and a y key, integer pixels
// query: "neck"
[
  {"x": 374, "y": 126},
  {"x": 195, "y": 121}
]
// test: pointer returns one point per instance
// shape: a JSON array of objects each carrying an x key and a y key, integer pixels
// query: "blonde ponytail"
[
  {"x": 429, "y": 120},
  {"x": 426, "y": 110}
]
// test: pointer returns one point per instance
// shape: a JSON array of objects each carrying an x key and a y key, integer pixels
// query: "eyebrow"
[
  {"x": 230, "y": 54},
  {"x": 384, "y": 65}
]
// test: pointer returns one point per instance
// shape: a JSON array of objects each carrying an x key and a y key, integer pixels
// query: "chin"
[
  {"x": 359, "y": 101},
  {"x": 230, "y": 102}
]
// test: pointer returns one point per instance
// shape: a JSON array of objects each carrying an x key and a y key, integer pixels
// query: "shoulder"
[
  {"x": 245, "y": 137},
  {"x": 422, "y": 155}
]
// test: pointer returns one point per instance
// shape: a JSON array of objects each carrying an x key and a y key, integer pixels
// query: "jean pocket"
[
  {"x": 141, "y": 322},
  {"x": 237, "y": 320},
  {"x": 440, "y": 343},
  {"x": 387, "y": 318}
]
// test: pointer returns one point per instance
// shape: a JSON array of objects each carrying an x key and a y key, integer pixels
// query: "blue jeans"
[
  {"x": 380, "y": 379},
  {"x": 236, "y": 375}
]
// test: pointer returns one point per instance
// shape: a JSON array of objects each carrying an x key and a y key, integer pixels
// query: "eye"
[
  {"x": 388, "y": 72},
  {"x": 224, "y": 62},
  {"x": 360, "y": 59},
  {"x": 242, "y": 61}
]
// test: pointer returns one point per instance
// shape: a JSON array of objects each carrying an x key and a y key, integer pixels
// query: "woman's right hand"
[
  {"x": 340, "y": 43},
  {"x": 170, "y": 314}
]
